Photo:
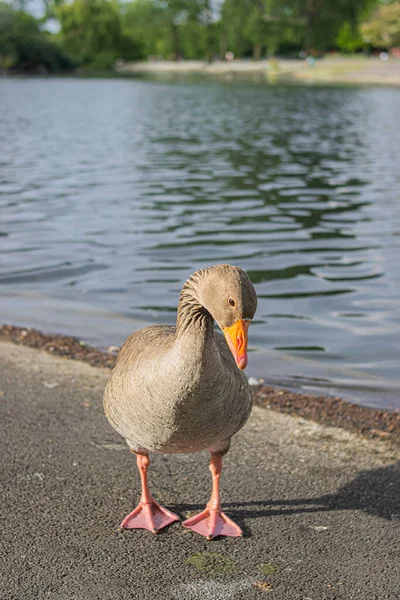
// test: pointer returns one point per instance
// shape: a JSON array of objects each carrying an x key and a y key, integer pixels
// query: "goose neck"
[{"x": 193, "y": 317}]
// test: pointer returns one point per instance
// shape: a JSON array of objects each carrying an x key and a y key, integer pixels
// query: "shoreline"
[
  {"x": 331, "y": 411},
  {"x": 340, "y": 70}
]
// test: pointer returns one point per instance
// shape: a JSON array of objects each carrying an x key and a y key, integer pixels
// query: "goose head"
[{"x": 229, "y": 296}]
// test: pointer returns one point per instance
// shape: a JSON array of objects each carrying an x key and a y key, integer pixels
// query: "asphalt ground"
[{"x": 320, "y": 506}]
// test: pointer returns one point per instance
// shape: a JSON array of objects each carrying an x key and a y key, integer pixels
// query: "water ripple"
[{"x": 114, "y": 191}]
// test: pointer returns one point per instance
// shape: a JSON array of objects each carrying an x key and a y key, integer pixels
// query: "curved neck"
[{"x": 192, "y": 316}]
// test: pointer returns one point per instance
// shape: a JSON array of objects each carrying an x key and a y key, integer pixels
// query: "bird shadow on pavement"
[{"x": 375, "y": 491}]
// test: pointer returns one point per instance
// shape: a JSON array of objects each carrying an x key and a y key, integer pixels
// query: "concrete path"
[{"x": 319, "y": 506}]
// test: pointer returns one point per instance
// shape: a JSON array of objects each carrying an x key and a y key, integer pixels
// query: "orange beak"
[{"x": 236, "y": 336}]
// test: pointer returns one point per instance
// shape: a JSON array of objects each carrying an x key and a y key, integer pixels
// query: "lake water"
[{"x": 113, "y": 191}]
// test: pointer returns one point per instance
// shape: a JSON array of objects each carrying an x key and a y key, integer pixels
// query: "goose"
[{"x": 182, "y": 389}]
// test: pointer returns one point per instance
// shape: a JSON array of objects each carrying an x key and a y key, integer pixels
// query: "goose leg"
[
  {"x": 212, "y": 522},
  {"x": 148, "y": 514}
]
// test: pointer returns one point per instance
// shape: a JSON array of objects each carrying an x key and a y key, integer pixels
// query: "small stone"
[
  {"x": 319, "y": 527},
  {"x": 253, "y": 381},
  {"x": 117, "y": 447},
  {"x": 50, "y": 384}
]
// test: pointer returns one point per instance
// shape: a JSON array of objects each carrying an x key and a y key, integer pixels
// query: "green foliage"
[
  {"x": 252, "y": 27},
  {"x": 144, "y": 22},
  {"x": 24, "y": 47},
  {"x": 325, "y": 19},
  {"x": 95, "y": 33},
  {"x": 237, "y": 27},
  {"x": 257, "y": 27},
  {"x": 382, "y": 30},
  {"x": 348, "y": 39},
  {"x": 170, "y": 28},
  {"x": 91, "y": 31}
]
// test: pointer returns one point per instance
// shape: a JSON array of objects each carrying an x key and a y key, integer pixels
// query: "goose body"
[
  {"x": 179, "y": 389},
  {"x": 170, "y": 394}
]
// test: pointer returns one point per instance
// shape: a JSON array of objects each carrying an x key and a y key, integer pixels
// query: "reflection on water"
[{"x": 113, "y": 191}]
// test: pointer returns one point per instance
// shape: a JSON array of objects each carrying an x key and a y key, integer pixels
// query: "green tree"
[
  {"x": 382, "y": 30},
  {"x": 324, "y": 20},
  {"x": 91, "y": 31},
  {"x": 23, "y": 46},
  {"x": 244, "y": 27},
  {"x": 145, "y": 21},
  {"x": 255, "y": 27},
  {"x": 258, "y": 26},
  {"x": 169, "y": 28},
  {"x": 348, "y": 38}
]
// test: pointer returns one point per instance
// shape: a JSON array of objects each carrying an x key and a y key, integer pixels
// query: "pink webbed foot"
[
  {"x": 213, "y": 522},
  {"x": 149, "y": 515}
]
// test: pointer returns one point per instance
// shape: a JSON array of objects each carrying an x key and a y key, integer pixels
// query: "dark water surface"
[{"x": 113, "y": 191}]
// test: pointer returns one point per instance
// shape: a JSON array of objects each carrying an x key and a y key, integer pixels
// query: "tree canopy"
[
  {"x": 95, "y": 33},
  {"x": 170, "y": 28},
  {"x": 23, "y": 46},
  {"x": 91, "y": 31},
  {"x": 383, "y": 28}
]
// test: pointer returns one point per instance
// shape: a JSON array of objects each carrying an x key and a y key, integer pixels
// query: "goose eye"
[{"x": 231, "y": 302}]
